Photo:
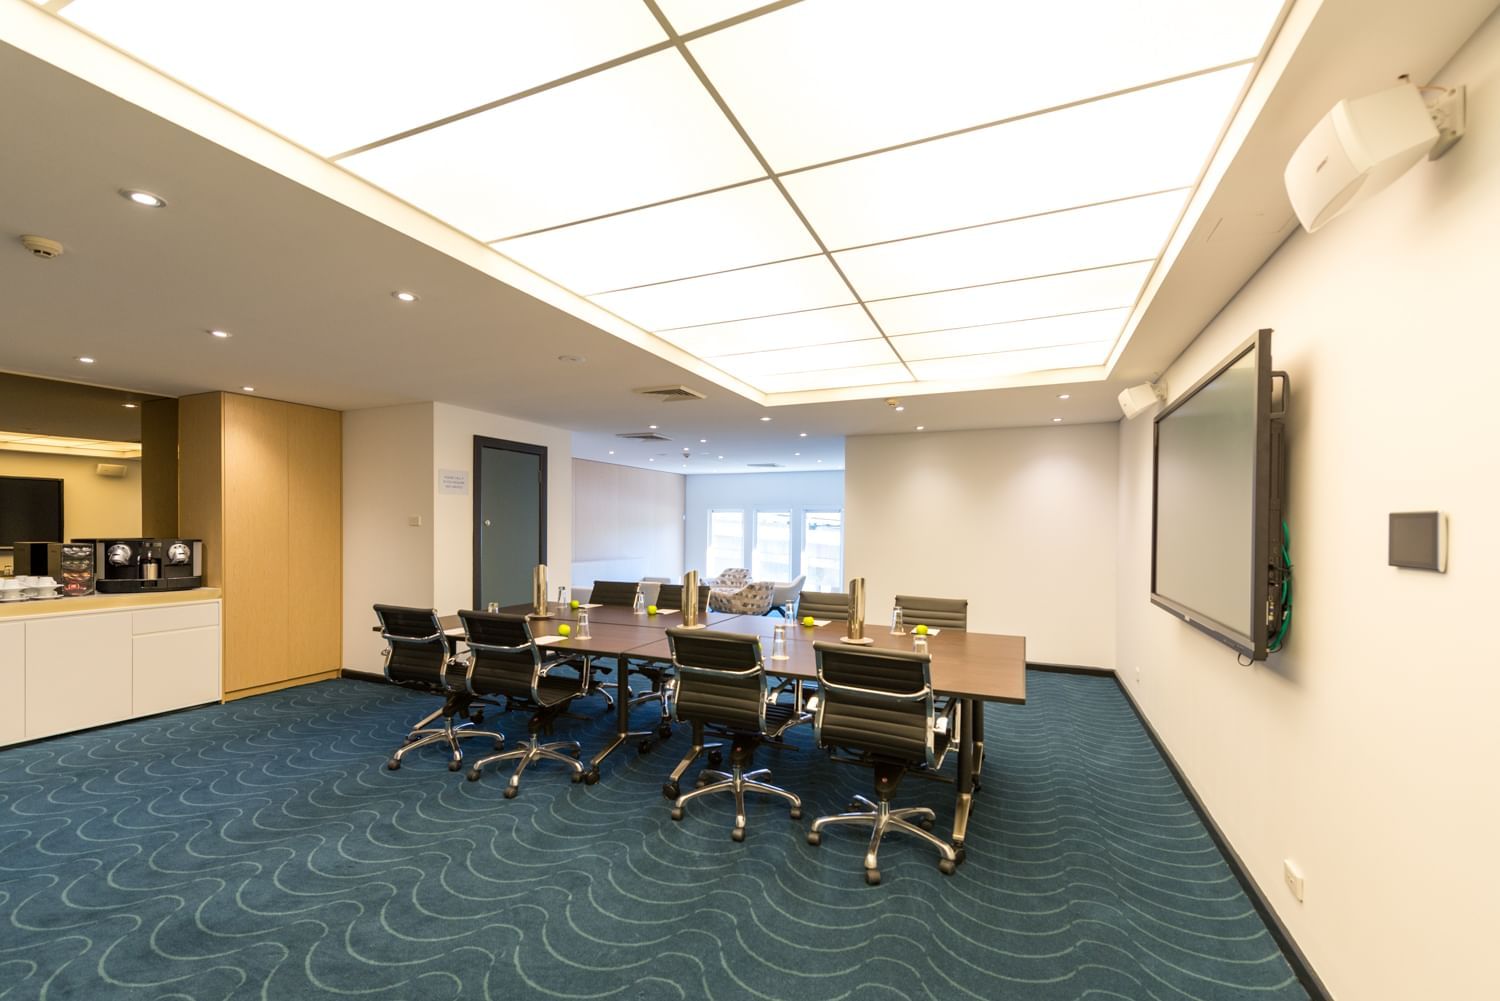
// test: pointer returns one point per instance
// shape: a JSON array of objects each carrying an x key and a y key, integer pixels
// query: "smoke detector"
[{"x": 42, "y": 247}]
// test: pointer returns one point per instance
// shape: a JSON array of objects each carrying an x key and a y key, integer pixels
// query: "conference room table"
[{"x": 971, "y": 667}]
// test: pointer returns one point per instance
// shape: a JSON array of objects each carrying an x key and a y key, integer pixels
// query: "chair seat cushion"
[{"x": 555, "y": 690}]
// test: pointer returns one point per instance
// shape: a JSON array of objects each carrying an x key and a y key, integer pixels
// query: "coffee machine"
[
  {"x": 126, "y": 565},
  {"x": 71, "y": 564}
]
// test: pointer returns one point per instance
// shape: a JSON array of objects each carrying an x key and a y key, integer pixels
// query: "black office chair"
[
  {"x": 504, "y": 660},
  {"x": 721, "y": 682},
  {"x": 670, "y": 596},
  {"x": 614, "y": 592},
  {"x": 880, "y": 702},
  {"x": 418, "y": 656},
  {"x": 935, "y": 613},
  {"x": 832, "y": 605}
]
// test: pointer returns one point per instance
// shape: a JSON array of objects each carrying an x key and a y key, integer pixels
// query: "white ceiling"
[
  {"x": 688, "y": 175},
  {"x": 298, "y": 260}
]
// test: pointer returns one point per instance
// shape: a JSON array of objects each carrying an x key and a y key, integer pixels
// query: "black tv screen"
[
  {"x": 31, "y": 510},
  {"x": 1217, "y": 534}
]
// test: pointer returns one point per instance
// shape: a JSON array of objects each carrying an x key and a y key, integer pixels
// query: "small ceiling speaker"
[
  {"x": 1137, "y": 399},
  {"x": 40, "y": 246},
  {"x": 1357, "y": 150}
]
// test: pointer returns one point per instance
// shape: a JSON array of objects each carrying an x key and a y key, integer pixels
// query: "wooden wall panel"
[
  {"x": 315, "y": 541},
  {"x": 256, "y": 519},
  {"x": 159, "y": 468}
]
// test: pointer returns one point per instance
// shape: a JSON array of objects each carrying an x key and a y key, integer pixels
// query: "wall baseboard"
[{"x": 1295, "y": 957}]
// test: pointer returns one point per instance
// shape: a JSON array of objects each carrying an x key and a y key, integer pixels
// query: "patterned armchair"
[
  {"x": 731, "y": 578},
  {"x": 752, "y": 599}
]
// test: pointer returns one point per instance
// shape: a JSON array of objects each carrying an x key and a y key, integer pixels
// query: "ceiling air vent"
[
  {"x": 764, "y": 465},
  {"x": 671, "y": 394},
  {"x": 643, "y": 436}
]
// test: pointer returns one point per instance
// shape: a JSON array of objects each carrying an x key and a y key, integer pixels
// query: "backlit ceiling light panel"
[
  {"x": 737, "y": 228},
  {"x": 851, "y": 76},
  {"x": 333, "y": 75},
  {"x": 617, "y": 140},
  {"x": 960, "y": 193}
]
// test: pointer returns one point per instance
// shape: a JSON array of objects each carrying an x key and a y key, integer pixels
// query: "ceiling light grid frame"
[{"x": 620, "y": 324}]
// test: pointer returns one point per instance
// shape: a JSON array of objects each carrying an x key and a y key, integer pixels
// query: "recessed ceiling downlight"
[
  {"x": 248, "y": 389},
  {"x": 143, "y": 198},
  {"x": 401, "y": 295},
  {"x": 85, "y": 359},
  {"x": 222, "y": 335}
]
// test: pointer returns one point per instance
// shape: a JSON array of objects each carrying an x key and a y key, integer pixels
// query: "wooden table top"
[
  {"x": 985, "y": 666},
  {"x": 618, "y": 615},
  {"x": 971, "y": 665}
]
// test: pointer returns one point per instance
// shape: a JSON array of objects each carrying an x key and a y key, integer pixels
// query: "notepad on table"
[{"x": 544, "y": 640}]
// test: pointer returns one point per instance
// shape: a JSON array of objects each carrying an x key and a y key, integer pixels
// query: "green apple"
[
  {"x": 921, "y": 630},
  {"x": 807, "y": 620},
  {"x": 564, "y": 630},
  {"x": 650, "y": 609},
  {"x": 573, "y": 603}
]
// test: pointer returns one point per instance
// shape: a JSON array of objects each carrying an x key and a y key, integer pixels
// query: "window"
[
  {"x": 772, "y": 559},
  {"x": 823, "y": 550},
  {"x": 726, "y": 542}
]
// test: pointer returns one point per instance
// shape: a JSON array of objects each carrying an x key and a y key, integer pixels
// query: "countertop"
[{"x": 105, "y": 602}]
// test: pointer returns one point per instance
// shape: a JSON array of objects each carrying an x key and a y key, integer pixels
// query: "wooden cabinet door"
[
  {"x": 315, "y": 541},
  {"x": 12, "y": 682},
  {"x": 78, "y": 672},
  {"x": 175, "y": 669},
  {"x": 257, "y": 577}
]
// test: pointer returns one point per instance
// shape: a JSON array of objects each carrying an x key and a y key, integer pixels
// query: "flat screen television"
[
  {"x": 31, "y": 510},
  {"x": 1219, "y": 559}
]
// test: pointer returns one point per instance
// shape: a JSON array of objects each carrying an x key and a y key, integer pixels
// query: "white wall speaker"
[
  {"x": 1358, "y": 148},
  {"x": 113, "y": 470},
  {"x": 1137, "y": 399}
]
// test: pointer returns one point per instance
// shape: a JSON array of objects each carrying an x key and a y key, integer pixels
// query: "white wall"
[
  {"x": 1020, "y": 521},
  {"x": 387, "y": 482},
  {"x": 627, "y": 517},
  {"x": 1368, "y": 751},
  {"x": 453, "y": 431},
  {"x": 794, "y": 492}
]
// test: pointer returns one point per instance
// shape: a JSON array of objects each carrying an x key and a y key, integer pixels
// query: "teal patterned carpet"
[{"x": 261, "y": 850}]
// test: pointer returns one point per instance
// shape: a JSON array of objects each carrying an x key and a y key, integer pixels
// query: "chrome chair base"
[
  {"x": 449, "y": 733},
  {"x": 739, "y": 782},
  {"x": 565, "y": 751},
  {"x": 884, "y": 819}
]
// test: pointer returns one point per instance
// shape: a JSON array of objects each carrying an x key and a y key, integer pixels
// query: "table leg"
[
  {"x": 978, "y": 743},
  {"x": 965, "y": 783},
  {"x": 622, "y": 719}
]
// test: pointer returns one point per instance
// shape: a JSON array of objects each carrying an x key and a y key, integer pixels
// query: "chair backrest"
[
  {"x": 937, "y": 613},
  {"x": 786, "y": 594},
  {"x": 503, "y": 659},
  {"x": 614, "y": 592},
  {"x": 720, "y": 679},
  {"x": 752, "y": 599},
  {"x": 832, "y": 605},
  {"x": 416, "y": 648},
  {"x": 878, "y": 701},
  {"x": 733, "y": 577},
  {"x": 670, "y": 596}
]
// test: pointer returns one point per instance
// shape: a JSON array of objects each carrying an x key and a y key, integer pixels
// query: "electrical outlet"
[
  {"x": 414, "y": 520},
  {"x": 1448, "y": 114},
  {"x": 1293, "y": 877}
]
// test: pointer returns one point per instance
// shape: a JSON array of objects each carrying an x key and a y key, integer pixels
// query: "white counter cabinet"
[{"x": 105, "y": 661}]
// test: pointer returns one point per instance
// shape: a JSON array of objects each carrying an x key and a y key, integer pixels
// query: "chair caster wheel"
[
  {"x": 473, "y": 775},
  {"x": 591, "y": 777},
  {"x": 977, "y": 786},
  {"x": 959, "y": 854},
  {"x": 872, "y": 877},
  {"x": 925, "y": 823},
  {"x": 576, "y": 777},
  {"x": 715, "y": 759},
  {"x": 701, "y": 781},
  {"x": 510, "y": 792},
  {"x": 500, "y": 744},
  {"x": 645, "y": 746},
  {"x": 814, "y": 838},
  {"x": 947, "y": 867},
  {"x": 738, "y": 834},
  {"x": 393, "y": 764},
  {"x": 476, "y": 717},
  {"x": 796, "y": 813},
  {"x": 669, "y": 790},
  {"x": 664, "y": 731},
  {"x": 676, "y": 813},
  {"x": 454, "y": 766}
]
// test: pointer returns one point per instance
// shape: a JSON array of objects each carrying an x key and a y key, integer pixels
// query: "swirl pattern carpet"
[{"x": 260, "y": 849}]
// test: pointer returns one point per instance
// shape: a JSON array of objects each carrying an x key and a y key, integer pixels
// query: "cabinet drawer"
[
  {"x": 174, "y": 670},
  {"x": 170, "y": 617}
]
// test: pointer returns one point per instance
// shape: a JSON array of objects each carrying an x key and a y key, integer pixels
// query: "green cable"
[{"x": 1286, "y": 589}]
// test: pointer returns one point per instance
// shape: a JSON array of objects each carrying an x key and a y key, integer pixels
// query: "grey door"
[{"x": 510, "y": 519}]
